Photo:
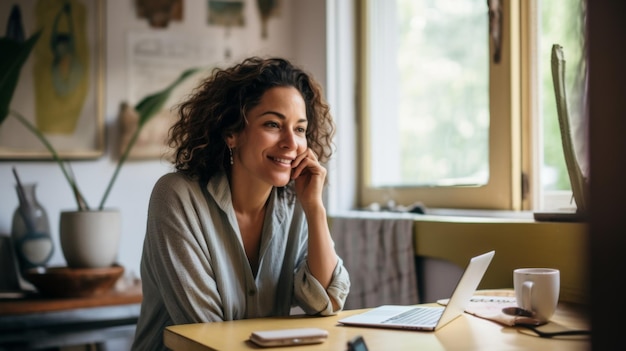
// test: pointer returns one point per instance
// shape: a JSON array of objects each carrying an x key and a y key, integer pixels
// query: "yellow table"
[{"x": 464, "y": 333}]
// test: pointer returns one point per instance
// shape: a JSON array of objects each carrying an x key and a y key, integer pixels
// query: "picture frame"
[
  {"x": 155, "y": 60},
  {"x": 60, "y": 87}
]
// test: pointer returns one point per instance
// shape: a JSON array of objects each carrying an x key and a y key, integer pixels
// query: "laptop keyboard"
[{"x": 417, "y": 316}]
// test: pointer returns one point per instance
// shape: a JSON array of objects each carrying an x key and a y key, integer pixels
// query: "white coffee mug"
[{"x": 537, "y": 290}]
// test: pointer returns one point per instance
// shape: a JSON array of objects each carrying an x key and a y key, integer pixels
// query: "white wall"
[{"x": 297, "y": 33}]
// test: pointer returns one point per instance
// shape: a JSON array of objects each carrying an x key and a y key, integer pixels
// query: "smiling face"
[{"x": 274, "y": 136}]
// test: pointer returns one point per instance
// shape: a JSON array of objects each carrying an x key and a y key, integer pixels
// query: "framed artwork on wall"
[
  {"x": 155, "y": 60},
  {"x": 60, "y": 87}
]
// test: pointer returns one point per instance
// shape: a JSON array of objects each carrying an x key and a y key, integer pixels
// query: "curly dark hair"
[{"x": 218, "y": 106}]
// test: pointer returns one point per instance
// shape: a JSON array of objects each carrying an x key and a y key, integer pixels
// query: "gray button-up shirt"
[{"x": 194, "y": 267}]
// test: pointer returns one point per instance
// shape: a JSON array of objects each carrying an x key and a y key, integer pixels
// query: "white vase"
[{"x": 90, "y": 239}]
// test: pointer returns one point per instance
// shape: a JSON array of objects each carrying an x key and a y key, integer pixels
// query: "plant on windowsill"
[{"x": 15, "y": 52}]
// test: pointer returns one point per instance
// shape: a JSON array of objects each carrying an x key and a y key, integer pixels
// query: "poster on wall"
[
  {"x": 59, "y": 90},
  {"x": 155, "y": 60}
]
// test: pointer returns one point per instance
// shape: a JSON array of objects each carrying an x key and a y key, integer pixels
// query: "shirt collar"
[{"x": 219, "y": 188}]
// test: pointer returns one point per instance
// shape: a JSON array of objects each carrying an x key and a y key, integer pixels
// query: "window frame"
[{"x": 503, "y": 190}]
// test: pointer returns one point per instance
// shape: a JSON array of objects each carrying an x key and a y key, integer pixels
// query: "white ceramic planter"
[{"x": 90, "y": 239}]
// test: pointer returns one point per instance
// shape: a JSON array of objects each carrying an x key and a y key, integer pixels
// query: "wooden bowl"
[{"x": 73, "y": 282}]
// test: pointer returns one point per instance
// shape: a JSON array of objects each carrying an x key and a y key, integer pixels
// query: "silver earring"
[{"x": 230, "y": 151}]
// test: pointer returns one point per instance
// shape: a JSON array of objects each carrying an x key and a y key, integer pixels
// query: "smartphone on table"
[{"x": 285, "y": 337}]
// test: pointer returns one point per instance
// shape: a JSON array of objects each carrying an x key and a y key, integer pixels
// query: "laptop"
[{"x": 427, "y": 318}]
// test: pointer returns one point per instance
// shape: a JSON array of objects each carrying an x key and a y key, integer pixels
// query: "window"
[
  {"x": 443, "y": 123},
  {"x": 436, "y": 106}
]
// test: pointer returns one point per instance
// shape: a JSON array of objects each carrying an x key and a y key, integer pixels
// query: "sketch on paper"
[
  {"x": 155, "y": 60},
  {"x": 226, "y": 13}
]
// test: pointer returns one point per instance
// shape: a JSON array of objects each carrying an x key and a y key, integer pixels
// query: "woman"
[{"x": 240, "y": 230}]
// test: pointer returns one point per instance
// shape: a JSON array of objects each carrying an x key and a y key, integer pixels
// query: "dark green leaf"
[
  {"x": 14, "y": 54},
  {"x": 153, "y": 103}
]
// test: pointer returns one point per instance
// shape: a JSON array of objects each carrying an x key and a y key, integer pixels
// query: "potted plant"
[{"x": 85, "y": 228}]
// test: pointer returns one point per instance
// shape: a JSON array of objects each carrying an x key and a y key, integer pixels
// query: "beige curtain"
[{"x": 377, "y": 250}]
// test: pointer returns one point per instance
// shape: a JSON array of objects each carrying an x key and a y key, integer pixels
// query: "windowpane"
[{"x": 430, "y": 89}]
